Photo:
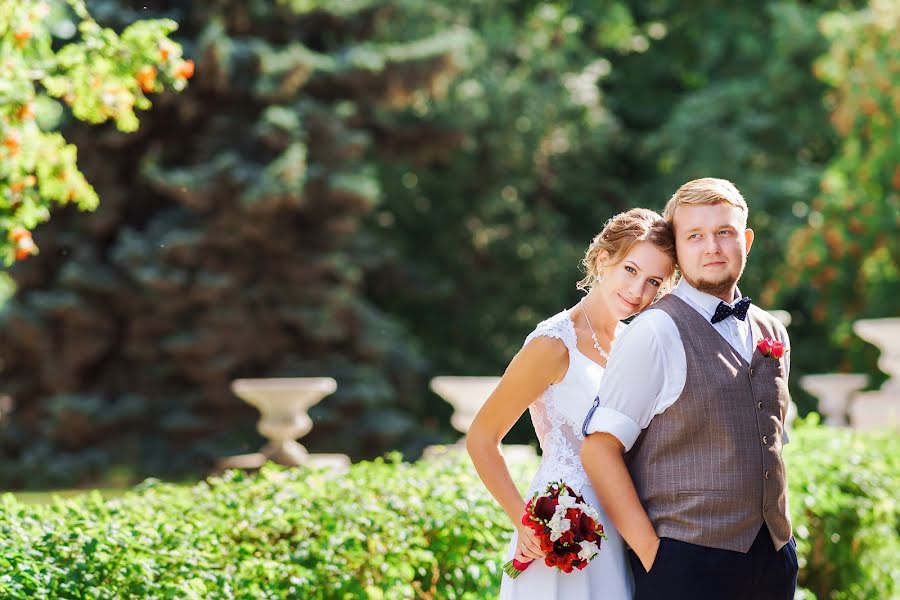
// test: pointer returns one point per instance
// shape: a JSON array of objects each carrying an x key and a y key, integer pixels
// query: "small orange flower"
[
  {"x": 25, "y": 112},
  {"x": 17, "y": 186},
  {"x": 12, "y": 142},
  {"x": 19, "y": 233},
  {"x": 23, "y": 252},
  {"x": 185, "y": 70},
  {"x": 22, "y": 36},
  {"x": 147, "y": 78}
]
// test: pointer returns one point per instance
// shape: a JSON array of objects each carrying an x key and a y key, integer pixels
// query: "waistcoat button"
[
  {"x": 759, "y": 406},
  {"x": 765, "y": 439},
  {"x": 767, "y": 474},
  {"x": 751, "y": 372}
]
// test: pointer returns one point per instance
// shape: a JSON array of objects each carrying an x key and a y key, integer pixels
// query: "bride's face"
[{"x": 629, "y": 286}]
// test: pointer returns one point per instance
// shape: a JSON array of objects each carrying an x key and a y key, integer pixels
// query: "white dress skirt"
[{"x": 558, "y": 416}]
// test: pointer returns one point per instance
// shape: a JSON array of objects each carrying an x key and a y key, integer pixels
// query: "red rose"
[
  {"x": 771, "y": 348},
  {"x": 545, "y": 507},
  {"x": 584, "y": 528},
  {"x": 567, "y": 537},
  {"x": 565, "y": 562},
  {"x": 777, "y": 349}
]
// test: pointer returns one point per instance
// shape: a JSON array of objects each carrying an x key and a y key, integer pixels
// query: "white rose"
[
  {"x": 588, "y": 550},
  {"x": 566, "y": 501},
  {"x": 558, "y": 526}
]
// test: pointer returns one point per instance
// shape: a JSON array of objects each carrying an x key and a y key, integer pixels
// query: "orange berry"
[
  {"x": 147, "y": 78},
  {"x": 12, "y": 142},
  {"x": 25, "y": 112},
  {"x": 22, "y": 36},
  {"x": 25, "y": 247},
  {"x": 19, "y": 233},
  {"x": 185, "y": 70},
  {"x": 17, "y": 186}
]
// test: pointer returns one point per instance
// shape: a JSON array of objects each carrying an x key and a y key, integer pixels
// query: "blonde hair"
[
  {"x": 620, "y": 234},
  {"x": 707, "y": 190}
]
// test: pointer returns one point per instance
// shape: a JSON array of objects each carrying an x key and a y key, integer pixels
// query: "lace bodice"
[{"x": 559, "y": 413}]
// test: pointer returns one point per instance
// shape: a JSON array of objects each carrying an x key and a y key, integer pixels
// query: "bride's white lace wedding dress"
[{"x": 558, "y": 416}]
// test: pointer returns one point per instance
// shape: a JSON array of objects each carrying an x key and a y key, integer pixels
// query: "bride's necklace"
[{"x": 602, "y": 352}]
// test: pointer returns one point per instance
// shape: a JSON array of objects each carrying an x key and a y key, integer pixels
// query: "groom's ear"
[{"x": 748, "y": 238}]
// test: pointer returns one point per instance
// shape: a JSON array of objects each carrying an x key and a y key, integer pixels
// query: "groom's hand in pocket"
[{"x": 649, "y": 553}]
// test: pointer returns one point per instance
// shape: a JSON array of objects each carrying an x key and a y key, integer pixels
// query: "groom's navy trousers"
[{"x": 683, "y": 571}]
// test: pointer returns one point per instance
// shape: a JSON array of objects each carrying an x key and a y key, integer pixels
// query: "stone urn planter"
[
  {"x": 880, "y": 408},
  {"x": 834, "y": 391},
  {"x": 467, "y": 395},
  {"x": 283, "y": 404}
]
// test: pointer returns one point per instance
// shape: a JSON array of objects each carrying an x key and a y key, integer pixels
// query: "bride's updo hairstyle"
[{"x": 619, "y": 235}]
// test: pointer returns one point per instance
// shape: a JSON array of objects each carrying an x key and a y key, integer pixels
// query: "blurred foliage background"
[{"x": 386, "y": 190}]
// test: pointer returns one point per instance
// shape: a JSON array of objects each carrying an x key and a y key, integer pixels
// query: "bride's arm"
[{"x": 541, "y": 362}]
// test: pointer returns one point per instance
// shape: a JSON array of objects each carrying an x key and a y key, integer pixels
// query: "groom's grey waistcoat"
[{"x": 708, "y": 470}]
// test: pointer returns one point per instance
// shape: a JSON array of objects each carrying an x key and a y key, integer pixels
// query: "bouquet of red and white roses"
[{"x": 568, "y": 528}]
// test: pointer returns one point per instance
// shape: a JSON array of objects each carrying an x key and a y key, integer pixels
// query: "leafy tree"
[
  {"x": 486, "y": 235},
  {"x": 228, "y": 245},
  {"x": 55, "y": 54},
  {"x": 842, "y": 264}
]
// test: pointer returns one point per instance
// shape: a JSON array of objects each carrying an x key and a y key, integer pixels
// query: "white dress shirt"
[{"x": 647, "y": 368}]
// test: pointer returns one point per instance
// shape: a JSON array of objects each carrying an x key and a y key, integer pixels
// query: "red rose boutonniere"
[{"x": 771, "y": 348}]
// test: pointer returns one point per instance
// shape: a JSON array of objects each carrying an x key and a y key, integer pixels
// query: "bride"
[{"x": 556, "y": 376}]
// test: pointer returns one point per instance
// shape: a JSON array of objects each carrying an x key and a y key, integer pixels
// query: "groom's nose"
[{"x": 712, "y": 244}]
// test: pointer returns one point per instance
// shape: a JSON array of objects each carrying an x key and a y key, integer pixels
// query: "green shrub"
[
  {"x": 385, "y": 530},
  {"x": 844, "y": 494},
  {"x": 389, "y": 529}
]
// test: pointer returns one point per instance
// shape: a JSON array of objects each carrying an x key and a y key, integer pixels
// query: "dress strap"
[{"x": 560, "y": 327}]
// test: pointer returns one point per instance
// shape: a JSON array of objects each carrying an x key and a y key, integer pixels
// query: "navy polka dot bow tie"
[{"x": 739, "y": 311}]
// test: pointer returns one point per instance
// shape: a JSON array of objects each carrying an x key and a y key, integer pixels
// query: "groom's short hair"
[{"x": 707, "y": 190}]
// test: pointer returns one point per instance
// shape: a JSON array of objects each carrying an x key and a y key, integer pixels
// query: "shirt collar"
[{"x": 705, "y": 302}]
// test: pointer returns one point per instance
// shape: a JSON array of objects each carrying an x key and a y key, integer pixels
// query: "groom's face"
[{"x": 712, "y": 242}]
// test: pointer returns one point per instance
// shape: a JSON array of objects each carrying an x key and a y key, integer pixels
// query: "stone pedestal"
[
  {"x": 467, "y": 395},
  {"x": 881, "y": 408},
  {"x": 834, "y": 392},
  {"x": 283, "y": 404}
]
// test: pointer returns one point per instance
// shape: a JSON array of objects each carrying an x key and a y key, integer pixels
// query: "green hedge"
[
  {"x": 394, "y": 530},
  {"x": 845, "y": 503}
]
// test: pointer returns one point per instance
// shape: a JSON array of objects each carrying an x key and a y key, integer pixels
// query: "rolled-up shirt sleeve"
[{"x": 639, "y": 382}]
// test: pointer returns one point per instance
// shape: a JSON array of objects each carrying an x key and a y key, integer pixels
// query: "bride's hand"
[{"x": 529, "y": 546}]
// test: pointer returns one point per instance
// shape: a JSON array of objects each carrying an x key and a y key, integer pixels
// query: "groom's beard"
[{"x": 719, "y": 286}]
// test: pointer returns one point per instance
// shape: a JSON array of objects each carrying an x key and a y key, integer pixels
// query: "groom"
[{"x": 683, "y": 445}]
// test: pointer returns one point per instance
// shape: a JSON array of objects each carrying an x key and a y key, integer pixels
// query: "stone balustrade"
[
  {"x": 283, "y": 403},
  {"x": 840, "y": 398}
]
